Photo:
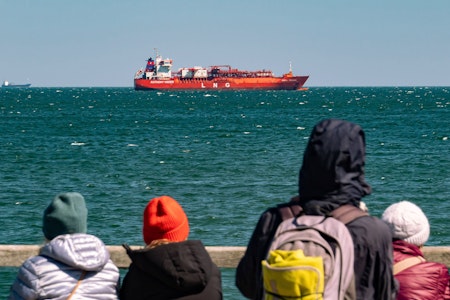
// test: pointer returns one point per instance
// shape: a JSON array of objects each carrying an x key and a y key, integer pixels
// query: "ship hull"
[
  {"x": 264, "y": 83},
  {"x": 16, "y": 85}
]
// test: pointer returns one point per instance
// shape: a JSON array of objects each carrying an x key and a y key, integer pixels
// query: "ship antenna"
[
  {"x": 290, "y": 67},
  {"x": 156, "y": 51}
]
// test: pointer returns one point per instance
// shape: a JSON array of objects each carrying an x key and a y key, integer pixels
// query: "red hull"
[{"x": 225, "y": 83}]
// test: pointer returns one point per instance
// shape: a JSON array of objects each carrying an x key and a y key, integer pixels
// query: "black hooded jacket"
[
  {"x": 332, "y": 172},
  {"x": 332, "y": 175},
  {"x": 181, "y": 270}
]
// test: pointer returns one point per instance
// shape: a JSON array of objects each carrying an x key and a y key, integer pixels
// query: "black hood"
[
  {"x": 178, "y": 270},
  {"x": 332, "y": 173},
  {"x": 184, "y": 266}
]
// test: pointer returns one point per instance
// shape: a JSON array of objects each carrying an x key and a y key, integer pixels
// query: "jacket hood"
[
  {"x": 404, "y": 249},
  {"x": 81, "y": 251},
  {"x": 183, "y": 266},
  {"x": 332, "y": 173}
]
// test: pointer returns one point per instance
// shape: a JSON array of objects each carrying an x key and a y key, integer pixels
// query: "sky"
[{"x": 102, "y": 43}]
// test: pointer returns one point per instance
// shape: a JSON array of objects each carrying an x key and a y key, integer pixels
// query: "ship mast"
[
  {"x": 289, "y": 74},
  {"x": 156, "y": 61}
]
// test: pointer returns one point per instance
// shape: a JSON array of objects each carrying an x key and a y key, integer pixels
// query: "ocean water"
[{"x": 225, "y": 156}]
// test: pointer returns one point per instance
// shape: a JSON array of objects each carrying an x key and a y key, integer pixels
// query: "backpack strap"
[
  {"x": 407, "y": 263},
  {"x": 347, "y": 213},
  {"x": 291, "y": 210}
]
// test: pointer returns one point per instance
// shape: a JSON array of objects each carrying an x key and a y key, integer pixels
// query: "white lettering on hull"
[
  {"x": 161, "y": 81},
  {"x": 215, "y": 85}
]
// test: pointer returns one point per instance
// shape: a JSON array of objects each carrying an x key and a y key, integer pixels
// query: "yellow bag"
[{"x": 292, "y": 275}]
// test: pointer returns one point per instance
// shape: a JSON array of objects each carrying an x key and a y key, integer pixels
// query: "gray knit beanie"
[
  {"x": 407, "y": 222},
  {"x": 66, "y": 214}
]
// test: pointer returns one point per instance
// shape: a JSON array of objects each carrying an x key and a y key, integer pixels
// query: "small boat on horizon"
[
  {"x": 158, "y": 75},
  {"x": 7, "y": 84}
]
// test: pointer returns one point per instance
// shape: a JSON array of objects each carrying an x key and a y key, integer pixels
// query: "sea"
[{"x": 226, "y": 156}]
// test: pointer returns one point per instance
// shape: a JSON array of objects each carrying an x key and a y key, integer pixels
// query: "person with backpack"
[
  {"x": 418, "y": 278},
  {"x": 331, "y": 176},
  {"x": 170, "y": 266},
  {"x": 72, "y": 264}
]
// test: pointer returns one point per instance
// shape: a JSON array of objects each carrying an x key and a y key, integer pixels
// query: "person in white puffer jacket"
[{"x": 72, "y": 264}]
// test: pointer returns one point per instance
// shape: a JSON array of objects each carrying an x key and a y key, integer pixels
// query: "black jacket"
[
  {"x": 181, "y": 270},
  {"x": 332, "y": 175}
]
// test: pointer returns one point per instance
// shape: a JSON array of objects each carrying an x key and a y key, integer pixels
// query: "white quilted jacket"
[{"x": 54, "y": 273}]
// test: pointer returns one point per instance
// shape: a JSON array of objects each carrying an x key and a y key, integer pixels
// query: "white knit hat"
[{"x": 407, "y": 222}]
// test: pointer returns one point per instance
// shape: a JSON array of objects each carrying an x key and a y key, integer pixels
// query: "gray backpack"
[{"x": 316, "y": 258}]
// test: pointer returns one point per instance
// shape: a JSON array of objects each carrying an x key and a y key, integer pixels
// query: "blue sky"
[{"x": 61, "y": 43}]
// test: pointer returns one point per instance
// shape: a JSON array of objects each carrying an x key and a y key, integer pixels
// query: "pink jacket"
[{"x": 426, "y": 280}]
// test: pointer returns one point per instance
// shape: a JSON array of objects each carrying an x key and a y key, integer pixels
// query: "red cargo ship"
[{"x": 157, "y": 75}]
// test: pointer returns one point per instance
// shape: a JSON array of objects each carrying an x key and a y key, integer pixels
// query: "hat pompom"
[
  {"x": 407, "y": 222},
  {"x": 164, "y": 218}
]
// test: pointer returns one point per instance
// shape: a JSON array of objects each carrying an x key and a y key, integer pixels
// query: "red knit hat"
[{"x": 164, "y": 218}]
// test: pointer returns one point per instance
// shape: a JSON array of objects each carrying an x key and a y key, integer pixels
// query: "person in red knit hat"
[{"x": 170, "y": 266}]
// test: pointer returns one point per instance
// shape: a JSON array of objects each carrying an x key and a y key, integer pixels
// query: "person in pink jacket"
[{"x": 418, "y": 278}]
